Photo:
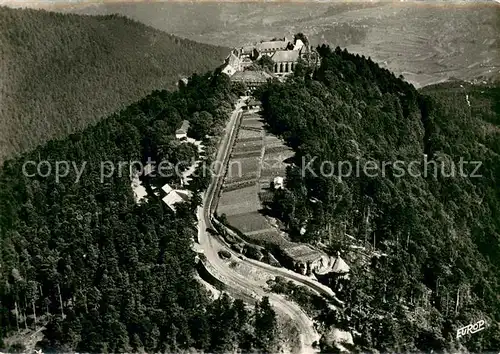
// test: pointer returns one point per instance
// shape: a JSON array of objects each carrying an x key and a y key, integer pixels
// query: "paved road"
[{"x": 236, "y": 284}]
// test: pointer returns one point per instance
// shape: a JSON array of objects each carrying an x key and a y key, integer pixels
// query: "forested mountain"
[
  {"x": 61, "y": 72},
  {"x": 102, "y": 273},
  {"x": 427, "y": 245}
]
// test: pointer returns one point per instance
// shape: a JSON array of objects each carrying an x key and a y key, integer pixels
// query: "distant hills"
[
  {"x": 61, "y": 72},
  {"x": 425, "y": 41}
]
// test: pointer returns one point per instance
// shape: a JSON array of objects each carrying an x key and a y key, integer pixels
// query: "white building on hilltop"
[
  {"x": 284, "y": 52},
  {"x": 174, "y": 196},
  {"x": 285, "y": 61}
]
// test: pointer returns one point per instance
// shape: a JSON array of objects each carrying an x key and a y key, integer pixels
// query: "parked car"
[{"x": 224, "y": 254}]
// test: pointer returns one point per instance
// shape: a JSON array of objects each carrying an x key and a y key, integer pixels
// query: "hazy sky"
[{"x": 71, "y": 3}]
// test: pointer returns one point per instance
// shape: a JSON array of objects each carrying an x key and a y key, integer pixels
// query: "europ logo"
[{"x": 470, "y": 329}]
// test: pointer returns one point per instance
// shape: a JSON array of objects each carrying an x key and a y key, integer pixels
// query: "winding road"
[{"x": 236, "y": 284}]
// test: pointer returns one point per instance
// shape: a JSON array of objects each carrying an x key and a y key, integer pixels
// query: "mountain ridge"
[{"x": 62, "y": 72}]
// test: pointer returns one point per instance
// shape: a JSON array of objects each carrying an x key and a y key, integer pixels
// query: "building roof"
[
  {"x": 184, "y": 128},
  {"x": 340, "y": 266},
  {"x": 303, "y": 253},
  {"x": 254, "y": 102},
  {"x": 278, "y": 179},
  {"x": 228, "y": 70},
  {"x": 247, "y": 49},
  {"x": 232, "y": 60},
  {"x": 251, "y": 76},
  {"x": 286, "y": 56},
  {"x": 298, "y": 45},
  {"x": 167, "y": 189},
  {"x": 173, "y": 197},
  {"x": 272, "y": 45},
  {"x": 185, "y": 194}
]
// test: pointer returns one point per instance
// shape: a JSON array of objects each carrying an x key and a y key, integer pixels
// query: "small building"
[
  {"x": 253, "y": 104},
  {"x": 140, "y": 192},
  {"x": 182, "y": 82},
  {"x": 307, "y": 260},
  {"x": 234, "y": 59},
  {"x": 175, "y": 196},
  {"x": 232, "y": 63},
  {"x": 303, "y": 259},
  {"x": 278, "y": 182},
  {"x": 181, "y": 133},
  {"x": 340, "y": 268}
]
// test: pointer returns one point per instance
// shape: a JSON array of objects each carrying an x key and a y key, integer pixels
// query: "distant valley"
[{"x": 427, "y": 42}]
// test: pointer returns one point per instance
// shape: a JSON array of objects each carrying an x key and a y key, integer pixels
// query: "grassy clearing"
[
  {"x": 253, "y": 123},
  {"x": 239, "y": 201},
  {"x": 242, "y": 167},
  {"x": 277, "y": 149},
  {"x": 249, "y": 139},
  {"x": 239, "y": 185},
  {"x": 245, "y": 134},
  {"x": 253, "y": 273},
  {"x": 272, "y": 172},
  {"x": 271, "y": 139},
  {"x": 266, "y": 196},
  {"x": 251, "y": 116},
  {"x": 248, "y": 146},
  {"x": 242, "y": 155},
  {"x": 250, "y": 221},
  {"x": 250, "y": 177},
  {"x": 275, "y": 162},
  {"x": 270, "y": 158}
]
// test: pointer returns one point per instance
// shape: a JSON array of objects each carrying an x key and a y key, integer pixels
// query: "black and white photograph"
[{"x": 259, "y": 176}]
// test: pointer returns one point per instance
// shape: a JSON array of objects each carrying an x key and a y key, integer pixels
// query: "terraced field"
[
  {"x": 239, "y": 201},
  {"x": 257, "y": 157}
]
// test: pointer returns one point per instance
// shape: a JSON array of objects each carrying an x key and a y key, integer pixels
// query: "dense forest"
[
  {"x": 98, "y": 272},
  {"x": 424, "y": 249},
  {"x": 62, "y": 72}
]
